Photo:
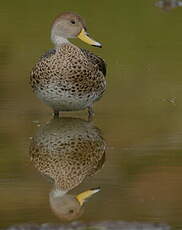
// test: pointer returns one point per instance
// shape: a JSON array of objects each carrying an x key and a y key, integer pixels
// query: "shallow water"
[{"x": 139, "y": 117}]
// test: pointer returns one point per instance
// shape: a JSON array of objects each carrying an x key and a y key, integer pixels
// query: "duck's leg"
[
  {"x": 90, "y": 113},
  {"x": 56, "y": 114}
]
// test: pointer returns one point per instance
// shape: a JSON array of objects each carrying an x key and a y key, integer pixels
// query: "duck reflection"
[
  {"x": 68, "y": 150},
  {"x": 168, "y": 4}
]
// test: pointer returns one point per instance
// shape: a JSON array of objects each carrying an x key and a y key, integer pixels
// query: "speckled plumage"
[
  {"x": 69, "y": 78},
  {"x": 68, "y": 150}
]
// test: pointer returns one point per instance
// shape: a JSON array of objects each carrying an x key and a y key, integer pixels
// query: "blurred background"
[{"x": 140, "y": 115}]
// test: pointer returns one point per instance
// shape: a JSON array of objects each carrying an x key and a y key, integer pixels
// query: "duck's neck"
[
  {"x": 58, "y": 41},
  {"x": 57, "y": 193}
]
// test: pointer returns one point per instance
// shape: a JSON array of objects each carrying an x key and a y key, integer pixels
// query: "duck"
[
  {"x": 68, "y": 151},
  {"x": 69, "y": 78}
]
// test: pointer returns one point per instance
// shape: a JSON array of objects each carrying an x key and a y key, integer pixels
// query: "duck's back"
[{"x": 68, "y": 78}]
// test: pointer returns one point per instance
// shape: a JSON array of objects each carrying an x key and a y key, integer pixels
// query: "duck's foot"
[
  {"x": 56, "y": 114},
  {"x": 90, "y": 113}
]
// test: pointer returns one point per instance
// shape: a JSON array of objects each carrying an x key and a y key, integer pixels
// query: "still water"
[{"x": 132, "y": 150}]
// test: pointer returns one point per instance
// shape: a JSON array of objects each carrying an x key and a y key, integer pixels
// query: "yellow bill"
[
  {"x": 82, "y": 197},
  {"x": 85, "y": 38}
]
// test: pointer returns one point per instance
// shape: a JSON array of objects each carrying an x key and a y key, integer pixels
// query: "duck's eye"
[
  {"x": 71, "y": 211},
  {"x": 73, "y": 21}
]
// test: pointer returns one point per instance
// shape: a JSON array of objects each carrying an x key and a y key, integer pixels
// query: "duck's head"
[
  {"x": 70, "y": 25},
  {"x": 69, "y": 207}
]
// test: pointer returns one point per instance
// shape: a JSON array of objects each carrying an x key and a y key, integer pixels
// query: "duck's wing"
[
  {"x": 96, "y": 60},
  {"x": 48, "y": 54}
]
